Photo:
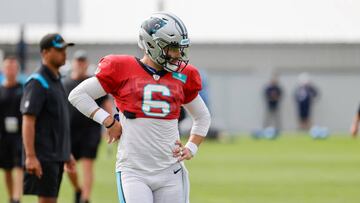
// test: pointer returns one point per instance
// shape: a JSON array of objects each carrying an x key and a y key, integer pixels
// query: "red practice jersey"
[{"x": 139, "y": 93}]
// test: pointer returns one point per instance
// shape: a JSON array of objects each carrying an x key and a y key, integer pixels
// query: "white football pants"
[{"x": 167, "y": 186}]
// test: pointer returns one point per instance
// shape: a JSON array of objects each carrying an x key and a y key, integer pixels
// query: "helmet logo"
[{"x": 152, "y": 25}]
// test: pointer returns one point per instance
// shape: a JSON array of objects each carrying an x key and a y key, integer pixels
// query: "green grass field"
[{"x": 291, "y": 169}]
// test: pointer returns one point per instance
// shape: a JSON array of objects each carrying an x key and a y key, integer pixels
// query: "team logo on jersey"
[
  {"x": 179, "y": 76},
  {"x": 26, "y": 104},
  {"x": 156, "y": 77}
]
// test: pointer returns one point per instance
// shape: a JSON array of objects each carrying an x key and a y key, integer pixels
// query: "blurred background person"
[
  {"x": 1, "y": 76},
  {"x": 213, "y": 132},
  {"x": 185, "y": 121},
  {"x": 85, "y": 133},
  {"x": 355, "y": 124},
  {"x": 305, "y": 94},
  {"x": 273, "y": 95},
  {"x": 10, "y": 129}
]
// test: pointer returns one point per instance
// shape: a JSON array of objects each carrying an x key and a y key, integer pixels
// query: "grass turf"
[{"x": 291, "y": 169}]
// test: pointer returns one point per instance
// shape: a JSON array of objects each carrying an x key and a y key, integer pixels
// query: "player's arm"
[
  {"x": 32, "y": 103},
  {"x": 32, "y": 164},
  {"x": 355, "y": 124},
  {"x": 201, "y": 123},
  {"x": 107, "y": 105},
  {"x": 83, "y": 98}
]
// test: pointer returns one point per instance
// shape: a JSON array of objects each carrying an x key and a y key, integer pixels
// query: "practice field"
[{"x": 291, "y": 169}]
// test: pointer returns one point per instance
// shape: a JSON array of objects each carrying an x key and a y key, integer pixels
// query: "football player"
[{"x": 149, "y": 93}]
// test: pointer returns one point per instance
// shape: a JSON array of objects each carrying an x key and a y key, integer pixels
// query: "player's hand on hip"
[
  {"x": 33, "y": 166},
  {"x": 180, "y": 152},
  {"x": 113, "y": 132}
]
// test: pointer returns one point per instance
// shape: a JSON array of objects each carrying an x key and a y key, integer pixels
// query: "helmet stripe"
[{"x": 182, "y": 26}]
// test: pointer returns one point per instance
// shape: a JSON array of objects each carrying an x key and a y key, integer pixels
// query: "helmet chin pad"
[{"x": 171, "y": 67}]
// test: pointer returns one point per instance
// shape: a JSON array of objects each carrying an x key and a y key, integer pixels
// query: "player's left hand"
[
  {"x": 180, "y": 152},
  {"x": 70, "y": 166}
]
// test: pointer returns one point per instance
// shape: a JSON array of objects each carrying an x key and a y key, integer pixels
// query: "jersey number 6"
[{"x": 149, "y": 103}]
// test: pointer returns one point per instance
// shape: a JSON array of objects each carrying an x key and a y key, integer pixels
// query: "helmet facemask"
[{"x": 169, "y": 63}]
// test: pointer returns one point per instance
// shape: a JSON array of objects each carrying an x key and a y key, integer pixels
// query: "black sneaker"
[{"x": 78, "y": 196}]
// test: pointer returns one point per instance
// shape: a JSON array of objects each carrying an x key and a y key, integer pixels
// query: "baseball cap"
[
  {"x": 80, "y": 55},
  {"x": 53, "y": 40}
]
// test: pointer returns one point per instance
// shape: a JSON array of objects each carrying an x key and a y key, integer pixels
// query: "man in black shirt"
[
  {"x": 272, "y": 94},
  {"x": 85, "y": 133},
  {"x": 10, "y": 129},
  {"x": 46, "y": 127}
]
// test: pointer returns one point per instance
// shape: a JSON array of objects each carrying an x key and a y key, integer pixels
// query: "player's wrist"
[
  {"x": 193, "y": 148},
  {"x": 108, "y": 121},
  {"x": 101, "y": 116},
  {"x": 30, "y": 155},
  {"x": 109, "y": 125}
]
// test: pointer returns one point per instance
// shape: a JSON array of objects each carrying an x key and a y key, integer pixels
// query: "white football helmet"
[{"x": 159, "y": 31}]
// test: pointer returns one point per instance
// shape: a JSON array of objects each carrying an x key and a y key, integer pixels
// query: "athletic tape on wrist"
[
  {"x": 100, "y": 116},
  {"x": 192, "y": 147}
]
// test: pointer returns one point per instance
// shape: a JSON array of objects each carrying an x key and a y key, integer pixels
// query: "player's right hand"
[
  {"x": 33, "y": 166},
  {"x": 114, "y": 132}
]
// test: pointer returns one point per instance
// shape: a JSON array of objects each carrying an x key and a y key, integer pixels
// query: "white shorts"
[{"x": 169, "y": 185}]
